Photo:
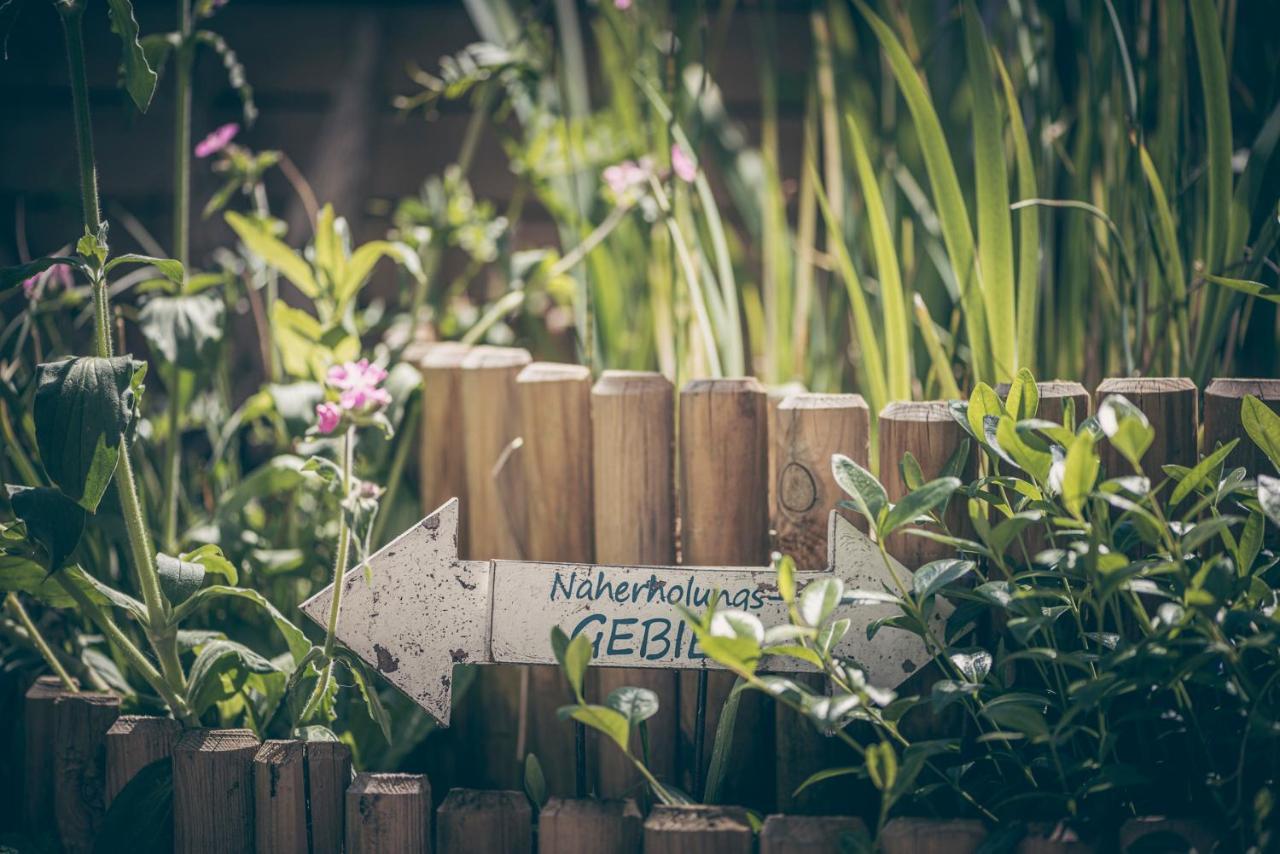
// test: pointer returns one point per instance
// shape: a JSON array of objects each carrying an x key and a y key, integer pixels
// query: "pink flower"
[
  {"x": 622, "y": 5},
  {"x": 327, "y": 417},
  {"x": 358, "y": 384},
  {"x": 218, "y": 140},
  {"x": 624, "y": 176},
  {"x": 29, "y": 285},
  {"x": 682, "y": 164}
]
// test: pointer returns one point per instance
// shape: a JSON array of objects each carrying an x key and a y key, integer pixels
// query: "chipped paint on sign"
[{"x": 422, "y": 610}]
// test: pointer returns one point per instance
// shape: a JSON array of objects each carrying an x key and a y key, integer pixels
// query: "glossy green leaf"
[
  {"x": 169, "y": 268},
  {"x": 935, "y": 575},
  {"x": 52, "y": 520},
  {"x": 635, "y": 704},
  {"x": 1263, "y": 426},
  {"x": 258, "y": 240},
  {"x": 916, "y": 504},
  {"x": 1203, "y": 473},
  {"x": 1079, "y": 472},
  {"x": 862, "y": 487},
  {"x": 139, "y": 79},
  {"x": 184, "y": 330},
  {"x": 1126, "y": 427}
]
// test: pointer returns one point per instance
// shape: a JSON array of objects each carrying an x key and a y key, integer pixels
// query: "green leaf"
[
  {"x": 84, "y": 407},
  {"x": 178, "y": 578},
  {"x": 1126, "y": 427},
  {"x": 1263, "y": 426},
  {"x": 1202, "y": 473},
  {"x": 861, "y": 485},
  {"x": 1216, "y": 103},
  {"x": 1028, "y": 224},
  {"x": 828, "y": 774},
  {"x": 535, "y": 783},
  {"x": 211, "y": 558},
  {"x": 362, "y": 261},
  {"x": 991, "y": 181},
  {"x": 785, "y": 567},
  {"x": 372, "y": 702},
  {"x": 297, "y": 642},
  {"x": 818, "y": 600},
  {"x": 935, "y": 575},
  {"x": 274, "y": 253},
  {"x": 602, "y": 719},
  {"x": 22, "y": 574},
  {"x": 185, "y": 330},
  {"x": 574, "y": 657},
  {"x": 52, "y": 520},
  {"x": 1269, "y": 497},
  {"x": 1246, "y": 286},
  {"x": 220, "y": 670},
  {"x": 10, "y": 276},
  {"x": 636, "y": 704},
  {"x": 1017, "y": 717},
  {"x": 169, "y": 268},
  {"x": 882, "y": 765},
  {"x": 983, "y": 403},
  {"x": 1079, "y": 472},
  {"x": 140, "y": 820},
  {"x": 918, "y": 503},
  {"x": 1023, "y": 400},
  {"x": 139, "y": 79}
]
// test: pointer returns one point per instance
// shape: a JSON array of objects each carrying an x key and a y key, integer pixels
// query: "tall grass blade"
[
  {"x": 897, "y": 330},
  {"x": 1028, "y": 228},
  {"x": 941, "y": 362},
  {"x": 957, "y": 232},
  {"x": 1166, "y": 234},
  {"x": 995, "y": 227}
]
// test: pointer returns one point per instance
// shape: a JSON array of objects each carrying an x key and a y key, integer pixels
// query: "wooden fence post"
[
  {"x": 489, "y": 722},
  {"x": 80, "y": 724},
  {"x": 555, "y": 414},
  {"x": 927, "y": 430},
  {"x": 389, "y": 812},
  {"x": 724, "y": 512},
  {"x": 589, "y": 827},
  {"x": 473, "y": 820},
  {"x": 1054, "y": 395},
  {"x": 328, "y": 776},
  {"x": 213, "y": 791},
  {"x": 789, "y": 834},
  {"x": 806, "y": 430},
  {"x": 698, "y": 830},
  {"x": 1170, "y": 405},
  {"x": 38, "y": 746},
  {"x": 133, "y": 743},
  {"x": 442, "y": 469},
  {"x": 931, "y": 836},
  {"x": 633, "y": 443},
  {"x": 280, "y": 797},
  {"x": 1222, "y": 402}
]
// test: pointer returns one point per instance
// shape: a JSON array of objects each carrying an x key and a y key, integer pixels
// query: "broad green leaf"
[
  {"x": 818, "y": 600},
  {"x": 916, "y": 504},
  {"x": 330, "y": 251},
  {"x": 211, "y": 558},
  {"x": 1269, "y": 497},
  {"x": 635, "y": 704},
  {"x": 730, "y": 623},
  {"x": 785, "y": 567},
  {"x": 973, "y": 664},
  {"x": 983, "y": 403},
  {"x": 1250, "y": 543},
  {"x": 169, "y": 268},
  {"x": 1023, "y": 400},
  {"x": 178, "y": 578},
  {"x": 185, "y": 330},
  {"x": 861, "y": 485},
  {"x": 139, "y": 79},
  {"x": 1034, "y": 462},
  {"x": 991, "y": 181},
  {"x": 1203, "y": 472},
  {"x": 297, "y": 642},
  {"x": 372, "y": 702},
  {"x": 1126, "y": 427},
  {"x": 1263, "y": 426},
  {"x": 1079, "y": 472},
  {"x": 1019, "y": 718},
  {"x": 274, "y": 253},
  {"x": 535, "y": 783},
  {"x": 935, "y": 575},
  {"x": 360, "y": 266},
  {"x": 602, "y": 719},
  {"x": 52, "y": 520},
  {"x": 84, "y": 407},
  {"x": 220, "y": 670},
  {"x": 574, "y": 657},
  {"x": 140, "y": 818},
  {"x": 22, "y": 574}
]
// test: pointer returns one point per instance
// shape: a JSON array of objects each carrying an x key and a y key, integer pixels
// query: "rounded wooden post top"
[
  {"x": 553, "y": 372},
  {"x": 88, "y": 698},
  {"x": 1144, "y": 385},
  {"x": 917, "y": 410},
  {"x": 441, "y": 354},
  {"x": 1230, "y": 387},
  {"x": 815, "y": 400},
  {"x": 723, "y": 385},
  {"x": 631, "y": 382},
  {"x": 485, "y": 357}
]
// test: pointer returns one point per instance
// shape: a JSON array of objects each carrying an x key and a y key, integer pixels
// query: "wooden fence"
[{"x": 550, "y": 466}]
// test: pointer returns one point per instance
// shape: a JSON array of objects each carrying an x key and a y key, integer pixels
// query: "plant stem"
[
  {"x": 173, "y": 464},
  {"x": 339, "y": 569},
  {"x": 46, "y": 652},
  {"x": 136, "y": 659},
  {"x": 71, "y": 15}
]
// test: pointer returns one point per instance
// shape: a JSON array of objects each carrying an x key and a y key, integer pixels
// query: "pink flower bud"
[
  {"x": 682, "y": 164},
  {"x": 219, "y": 139},
  {"x": 327, "y": 417}
]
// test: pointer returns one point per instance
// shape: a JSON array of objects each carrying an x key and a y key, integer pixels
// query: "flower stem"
[
  {"x": 173, "y": 463},
  {"x": 72, "y": 13},
  {"x": 339, "y": 569},
  {"x": 46, "y": 652}
]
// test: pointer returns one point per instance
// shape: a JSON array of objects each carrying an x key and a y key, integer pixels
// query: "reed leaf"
[{"x": 1028, "y": 295}]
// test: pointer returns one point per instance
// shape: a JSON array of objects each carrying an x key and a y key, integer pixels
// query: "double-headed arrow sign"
[{"x": 416, "y": 610}]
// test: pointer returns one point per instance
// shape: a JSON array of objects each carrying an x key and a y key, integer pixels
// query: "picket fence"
[{"x": 551, "y": 466}]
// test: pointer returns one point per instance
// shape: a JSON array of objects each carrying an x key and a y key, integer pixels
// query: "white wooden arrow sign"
[{"x": 418, "y": 610}]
